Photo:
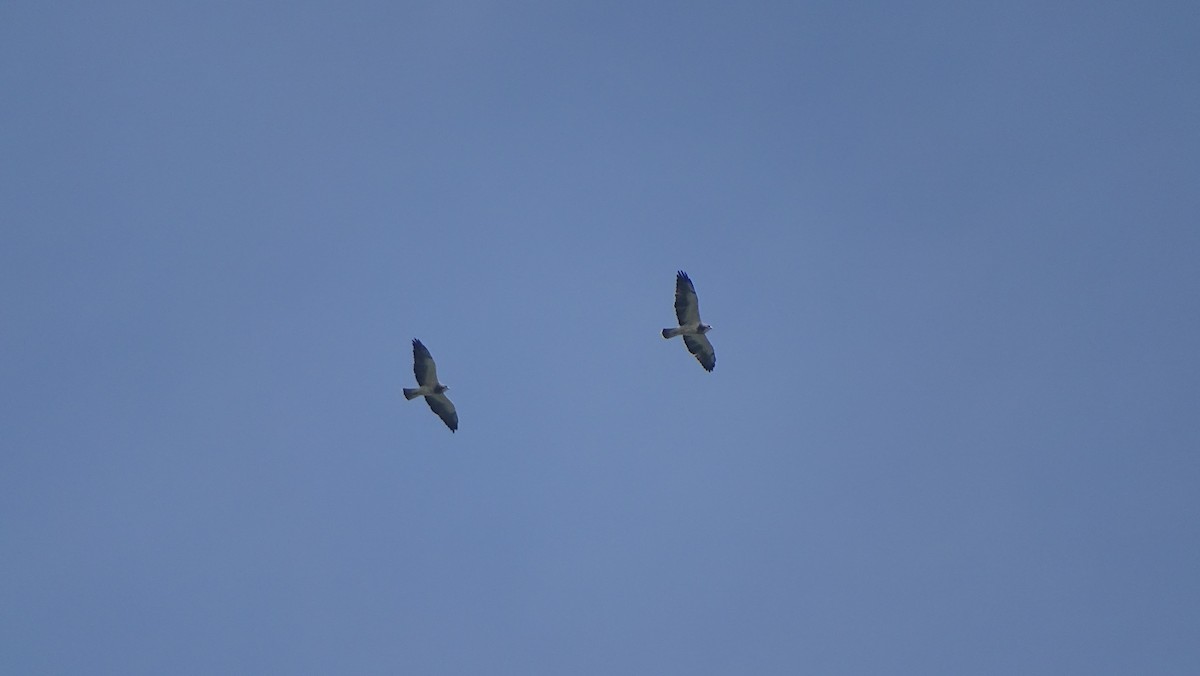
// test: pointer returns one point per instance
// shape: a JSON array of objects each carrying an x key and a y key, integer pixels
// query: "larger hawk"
[
  {"x": 687, "y": 311},
  {"x": 429, "y": 387}
]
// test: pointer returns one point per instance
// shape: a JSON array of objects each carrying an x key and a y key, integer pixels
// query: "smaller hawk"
[
  {"x": 429, "y": 387},
  {"x": 687, "y": 311}
]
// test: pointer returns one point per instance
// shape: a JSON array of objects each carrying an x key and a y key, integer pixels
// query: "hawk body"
[
  {"x": 687, "y": 313},
  {"x": 428, "y": 386}
]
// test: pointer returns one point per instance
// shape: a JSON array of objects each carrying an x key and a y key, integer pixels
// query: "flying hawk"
[
  {"x": 429, "y": 387},
  {"x": 687, "y": 311}
]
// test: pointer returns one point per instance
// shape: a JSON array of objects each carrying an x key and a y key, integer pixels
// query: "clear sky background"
[{"x": 951, "y": 252}]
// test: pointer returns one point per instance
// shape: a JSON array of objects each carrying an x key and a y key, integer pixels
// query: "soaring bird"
[
  {"x": 429, "y": 387},
  {"x": 687, "y": 311}
]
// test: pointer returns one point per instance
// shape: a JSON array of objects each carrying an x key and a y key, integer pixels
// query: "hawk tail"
[
  {"x": 671, "y": 333},
  {"x": 410, "y": 394}
]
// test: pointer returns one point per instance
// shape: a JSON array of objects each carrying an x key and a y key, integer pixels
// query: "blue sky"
[{"x": 949, "y": 250}]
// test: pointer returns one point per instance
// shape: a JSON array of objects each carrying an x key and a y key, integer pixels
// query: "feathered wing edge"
[
  {"x": 687, "y": 303},
  {"x": 699, "y": 346},
  {"x": 424, "y": 368},
  {"x": 444, "y": 409}
]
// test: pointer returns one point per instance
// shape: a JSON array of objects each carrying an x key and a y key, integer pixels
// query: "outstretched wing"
[
  {"x": 445, "y": 410},
  {"x": 698, "y": 345},
  {"x": 423, "y": 366},
  {"x": 687, "y": 306}
]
